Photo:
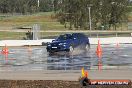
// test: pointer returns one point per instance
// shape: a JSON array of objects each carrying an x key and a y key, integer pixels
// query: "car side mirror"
[
  {"x": 53, "y": 40},
  {"x": 48, "y": 43}
]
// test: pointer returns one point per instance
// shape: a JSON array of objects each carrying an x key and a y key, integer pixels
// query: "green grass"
[
  {"x": 94, "y": 34},
  {"x": 45, "y": 20},
  {"x": 12, "y": 35}
]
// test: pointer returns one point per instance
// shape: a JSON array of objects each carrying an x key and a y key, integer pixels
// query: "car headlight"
[
  {"x": 64, "y": 45},
  {"x": 60, "y": 44}
]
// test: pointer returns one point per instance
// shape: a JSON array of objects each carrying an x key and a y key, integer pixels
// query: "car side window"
[
  {"x": 65, "y": 37},
  {"x": 74, "y": 36},
  {"x": 69, "y": 36},
  {"x": 79, "y": 36}
]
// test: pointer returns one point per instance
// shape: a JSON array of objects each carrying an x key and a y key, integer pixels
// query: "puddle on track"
[{"x": 38, "y": 59}]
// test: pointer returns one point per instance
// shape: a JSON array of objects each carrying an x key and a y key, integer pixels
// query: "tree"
[
  {"x": 24, "y": 6},
  {"x": 103, "y": 13}
]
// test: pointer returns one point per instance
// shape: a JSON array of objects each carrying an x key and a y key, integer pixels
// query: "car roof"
[
  {"x": 78, "y": 33},
  {"x": 74, "y": 34}
]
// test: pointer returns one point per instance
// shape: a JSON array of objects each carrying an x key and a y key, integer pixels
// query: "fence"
[{"x": 18, "y": 35}]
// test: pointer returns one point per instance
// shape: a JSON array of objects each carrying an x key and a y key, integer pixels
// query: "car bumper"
[{"x": 56, "y": 49}]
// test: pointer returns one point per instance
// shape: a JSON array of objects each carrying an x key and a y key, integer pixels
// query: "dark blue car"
[{"x": 68, "y": 42}]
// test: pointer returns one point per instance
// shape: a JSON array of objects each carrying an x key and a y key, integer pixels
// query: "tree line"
[
  {"x": 25, "y": 6},
  {"x": 74, "y": 13},
  {"x": 104, "y": 13}
]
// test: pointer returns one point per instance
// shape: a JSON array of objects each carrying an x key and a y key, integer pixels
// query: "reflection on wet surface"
[{"x": 37, "y": 58}]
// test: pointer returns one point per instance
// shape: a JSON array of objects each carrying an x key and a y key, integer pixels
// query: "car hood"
[{"x": 57, "y": 42}]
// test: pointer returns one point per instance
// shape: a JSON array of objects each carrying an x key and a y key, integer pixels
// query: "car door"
[
  {"x": 75, "y": 40},
  {"x": 79, "y": 40}
]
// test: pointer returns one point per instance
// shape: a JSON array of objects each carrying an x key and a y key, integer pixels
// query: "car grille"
[
  {"x": 54, "y": 45},
  {"x": 58, "y": 48}
]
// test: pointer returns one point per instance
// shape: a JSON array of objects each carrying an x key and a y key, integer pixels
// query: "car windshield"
[{"x": 64, "y": 37}]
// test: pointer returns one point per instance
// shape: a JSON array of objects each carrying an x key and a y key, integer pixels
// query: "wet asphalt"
[{"x": 37, "y": 58}]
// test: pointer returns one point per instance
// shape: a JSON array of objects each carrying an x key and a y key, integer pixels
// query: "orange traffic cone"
[
  {"x": 5, "y": 50},
  {"x": 99, "y": 50}
]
